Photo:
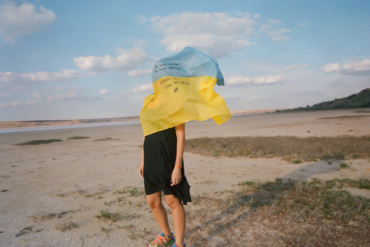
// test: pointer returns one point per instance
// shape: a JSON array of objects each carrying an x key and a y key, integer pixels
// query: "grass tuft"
[
  {"x": 38, "y": 142},
  {"x": 343, "y": 165},
  {"x": 78, "y": 137},
  {"x": 105, "y": 215},
  {"x": 65, "y": 226}
]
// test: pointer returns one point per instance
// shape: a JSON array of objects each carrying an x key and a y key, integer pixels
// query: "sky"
[{"x": 93, "y": 59}]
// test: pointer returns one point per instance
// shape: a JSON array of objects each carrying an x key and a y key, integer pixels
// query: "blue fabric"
[{"x": 189, "y": 62}]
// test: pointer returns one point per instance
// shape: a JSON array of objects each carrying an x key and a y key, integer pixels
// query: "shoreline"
[{"x": 19, "y": 125}]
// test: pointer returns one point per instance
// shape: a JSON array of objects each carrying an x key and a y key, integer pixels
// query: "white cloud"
[
  {"x": 15, "y": 104},
  {"x": 25, "y": 19},
  {"x": 8, "y": 90},
  {"x": 63, "y": 93},
  {"x": 255, "y": 81},
  {"x": 39, "y": 77},
  {"x": 303, "y": 24},
  {"x": 279, "y": 32},
  {"x": 219, "y": 33},
  {"x": 134, "y": 42},
  {"x": 60, "y": 96},
  {"x": 127, "y": 60},
  {"x": 356, "y": 68},
  {"x": 265, "y": 28},
  {"x": 294, "y": 67},
  {"x": 331, "y": 67},
  {"x": 143, "y": 88},
  {"x": 103, "y": 92},
  {"x": 275, "y": 33},
  {"x": 141, "y": 19},
  {"x": 106, "y": 92},
  {"x": 255, "y": 16},
  {"x": 72, "y": 96},
  {"x": 140, "y": 73},
  {"x": 281, "y": 39}
]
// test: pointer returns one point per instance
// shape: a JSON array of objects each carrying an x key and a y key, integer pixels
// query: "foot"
[
  {"x": 162, "y": 240},
  {"x": 175, "y": 245}
]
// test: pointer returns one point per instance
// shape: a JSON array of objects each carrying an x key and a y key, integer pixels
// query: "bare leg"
[
  {"x": 179, "y": 218},
  {"x": 155, "y": 203}
]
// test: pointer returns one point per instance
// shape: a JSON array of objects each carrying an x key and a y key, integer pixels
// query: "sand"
[{"x": 52, "y": 192}]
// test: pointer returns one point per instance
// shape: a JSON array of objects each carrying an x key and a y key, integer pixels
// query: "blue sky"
[{"x": 93, "y": 59}]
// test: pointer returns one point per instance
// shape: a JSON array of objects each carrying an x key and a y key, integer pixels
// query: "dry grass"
[
  {"x": 290, "y": 148},
  {"x": 362, "y": 111},
  {"x": 38, "y": 142},
  {"x": 63, "y": 227},
  {"x": 107, "y": 139},
  {"x": 40, "y": 218},
  {"x": 28, "y": 230},
  {"x": 282, "y": 213},
  {"x": 131, "y": 191},
  {"x": 105, "y": 215},
  {"x": 341, "y": 117}
]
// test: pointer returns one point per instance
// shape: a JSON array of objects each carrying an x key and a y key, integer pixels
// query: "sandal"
[
  {"x": 162, "y": 240},
  {"x": 175, "y": 245}
]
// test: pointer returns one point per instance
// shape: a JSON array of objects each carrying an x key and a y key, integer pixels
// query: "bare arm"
[
  {"x": 180, "y": 133},
  {"x": 176, "y": 173}
]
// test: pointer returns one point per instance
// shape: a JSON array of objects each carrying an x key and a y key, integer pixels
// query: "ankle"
[
  {"x": 179, "y": 244},
  {"x": 167, "y": 234}
]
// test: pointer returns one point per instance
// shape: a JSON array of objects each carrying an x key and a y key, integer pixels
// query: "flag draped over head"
[{"x": 183, "y": 91}]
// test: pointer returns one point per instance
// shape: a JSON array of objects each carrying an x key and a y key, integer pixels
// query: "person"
[
  {"x": 182, "y": 91},
  {"x": 162, "y": 168}
]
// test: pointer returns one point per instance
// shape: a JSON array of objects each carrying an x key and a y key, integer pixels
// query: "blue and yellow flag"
[{"x": 183, "y": 91}]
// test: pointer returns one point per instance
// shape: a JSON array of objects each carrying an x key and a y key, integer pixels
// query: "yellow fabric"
[{"x": 177, "y": 100}]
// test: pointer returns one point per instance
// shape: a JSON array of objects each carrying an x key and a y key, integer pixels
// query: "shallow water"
[{"x": 64, "y": 127}]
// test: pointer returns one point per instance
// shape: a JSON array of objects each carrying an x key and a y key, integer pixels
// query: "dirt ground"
[{"x": 51, "y": 193}]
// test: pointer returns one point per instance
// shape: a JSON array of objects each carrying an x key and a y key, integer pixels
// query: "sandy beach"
[{"x": 52, "y": 193}]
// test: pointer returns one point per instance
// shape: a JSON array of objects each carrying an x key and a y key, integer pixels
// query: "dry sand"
[{"x": 52, "y": 192}]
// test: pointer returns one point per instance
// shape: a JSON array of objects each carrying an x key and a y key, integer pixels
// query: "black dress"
[{"x": 159, "y": 162}]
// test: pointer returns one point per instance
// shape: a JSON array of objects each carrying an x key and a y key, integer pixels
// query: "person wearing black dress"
[{"x": 162, "y": 167}]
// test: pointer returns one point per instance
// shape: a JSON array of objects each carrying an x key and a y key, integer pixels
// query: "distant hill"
[{"x": 361, "y": 99}]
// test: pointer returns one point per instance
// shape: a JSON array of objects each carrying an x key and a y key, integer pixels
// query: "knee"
[
  {"x": 172, "y": 202},
  {"x": 153, "y": 204}
]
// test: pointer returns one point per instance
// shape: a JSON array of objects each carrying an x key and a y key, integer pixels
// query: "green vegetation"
[
  {"x": 38, "y": 142},
  {"x": 108, "y": 216},
  {"x": 296, "y": 161},
  {"x": 343, "y": 165},
  {"x": 361, "y": 99},
  {"x": 359, "y": 184},
  {"x": 249, "y": 183},
  {"x": 293, "y": 149},
  {"x": 78, "y": 137},
  {"x": 105, "y": 230},
  {"x": 131, "y": 191}
]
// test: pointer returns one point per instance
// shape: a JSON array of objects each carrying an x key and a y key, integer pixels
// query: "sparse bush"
[
  {"x": 38, "y": 142},
  {"x": 343, "y": 165},
  {"x": 108, "y": 216},
  {"x": 78, "y": 137}
]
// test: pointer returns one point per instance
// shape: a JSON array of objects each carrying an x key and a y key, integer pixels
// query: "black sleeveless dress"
[{"x": 159, "y": 162}]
